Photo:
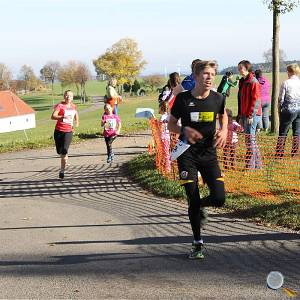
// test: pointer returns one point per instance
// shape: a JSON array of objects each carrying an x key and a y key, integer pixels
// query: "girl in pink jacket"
[{"x": 265, "y": 98}]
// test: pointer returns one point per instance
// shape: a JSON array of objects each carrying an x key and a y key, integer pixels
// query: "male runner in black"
[{"x": 198, "y": 110}]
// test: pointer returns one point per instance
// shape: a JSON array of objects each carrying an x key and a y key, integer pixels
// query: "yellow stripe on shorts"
[{"x": 182, "y": 182}]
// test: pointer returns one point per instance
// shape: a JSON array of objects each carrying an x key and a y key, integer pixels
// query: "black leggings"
[
  {"x": 109, "y": 141},
  {"x": 189, "y": 165},
  {"x": 62, "y": 141}
]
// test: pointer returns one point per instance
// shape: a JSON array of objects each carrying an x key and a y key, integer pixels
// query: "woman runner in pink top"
[{"x": 64, "y": 113}]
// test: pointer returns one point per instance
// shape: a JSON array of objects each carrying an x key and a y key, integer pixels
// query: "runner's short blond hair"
[{"x": 203, "y": 64}]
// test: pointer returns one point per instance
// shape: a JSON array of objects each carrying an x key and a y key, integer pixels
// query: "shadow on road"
[{"x": 160, "y": 228}]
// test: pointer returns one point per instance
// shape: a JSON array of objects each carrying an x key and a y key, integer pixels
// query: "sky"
[{"x": 170, "y": 33}]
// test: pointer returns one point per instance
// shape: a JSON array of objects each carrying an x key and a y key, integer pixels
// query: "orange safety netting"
[{"x": 265, "y": 167}]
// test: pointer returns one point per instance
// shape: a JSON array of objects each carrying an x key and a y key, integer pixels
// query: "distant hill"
[{"x": 265, "y": 67}]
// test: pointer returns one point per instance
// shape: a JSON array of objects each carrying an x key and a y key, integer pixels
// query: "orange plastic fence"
[{"x": 265, "y": 167}]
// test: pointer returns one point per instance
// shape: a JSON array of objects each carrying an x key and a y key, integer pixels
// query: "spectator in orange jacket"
[{"x": 112, "y": 96}]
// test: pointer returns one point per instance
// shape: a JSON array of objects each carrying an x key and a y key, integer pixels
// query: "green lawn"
[{"x": 93, "y": 88}]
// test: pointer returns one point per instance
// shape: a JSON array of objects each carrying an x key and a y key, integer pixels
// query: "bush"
[
  {"x": 135, "y": 87},
  {"x": 126, "y": 87}
]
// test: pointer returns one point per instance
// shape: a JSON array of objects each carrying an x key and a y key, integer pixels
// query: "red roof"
[{"x": 11, "y": 105}]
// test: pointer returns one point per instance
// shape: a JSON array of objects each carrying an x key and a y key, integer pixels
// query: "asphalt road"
[{"x": 97, "y": 235}]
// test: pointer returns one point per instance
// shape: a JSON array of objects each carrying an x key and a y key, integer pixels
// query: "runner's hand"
[
  {"x": 192, "y": 135},
  {"x": 221, "y": 138}
]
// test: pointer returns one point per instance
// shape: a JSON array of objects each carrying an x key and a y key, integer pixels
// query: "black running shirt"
[{"x": 199, "y": 114}]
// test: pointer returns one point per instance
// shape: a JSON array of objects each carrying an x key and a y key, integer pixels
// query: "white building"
[{"x": 15, "y": 114}]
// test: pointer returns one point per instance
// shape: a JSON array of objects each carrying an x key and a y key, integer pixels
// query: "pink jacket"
[{"x": 265, "y": 90}]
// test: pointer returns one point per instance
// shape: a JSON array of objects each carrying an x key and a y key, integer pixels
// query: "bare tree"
[
  {"x": 268, "y": 56},
  {"x": 154, "y": 81},
  {"x": 278, "y": 7},
  {"x": 67, "y": 75},
  {"x": 5, "y": 77},
  {"x": 82, "y": 75},
  {"x": 27, "y": 74},
  {"x": 49, "y": 72}
]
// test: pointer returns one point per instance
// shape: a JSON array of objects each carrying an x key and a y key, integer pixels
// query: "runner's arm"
[
  {"x": 221, "y": 136},
  {"x": 55, "y": 116},
  {"x": 76, "y": 119},
  {"x": 119, "y": 126},
  {"x": 173, "y": 126}
]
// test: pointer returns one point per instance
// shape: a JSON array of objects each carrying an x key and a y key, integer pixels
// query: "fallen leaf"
[{"x": 291, "y": 293}]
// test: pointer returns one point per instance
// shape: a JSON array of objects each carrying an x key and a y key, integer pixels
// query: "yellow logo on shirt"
[{"x": 206, "y": 116}]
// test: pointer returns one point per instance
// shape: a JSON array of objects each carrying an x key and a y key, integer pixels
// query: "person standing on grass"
[
  {"x": 265, "y": 98},
  {"x": 198, "y": 110},
  {"x": 112, "y": 96},
  {"x": 64, "y": 113},
  {"x": 174, "y": 82},
  {"x": 165, "y": 136},
  {"x": 250, "y": 112},
  {"x": 226, "y": 84},
  {"x": 112, "y": 127},
  {"x": 229, "y": 151},
  {"x": 289, "y": 103}
]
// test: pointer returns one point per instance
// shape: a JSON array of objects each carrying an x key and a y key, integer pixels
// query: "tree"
[
  {"x": 82, "y": 75},
  {"x": 135, "y": 87},
  {"x": 49, "y": 72},
  {"x": 27, "y": 74},
  {"x": 277, "y": 7},
  {"x": 267, "y": 55},
  {"x": 76, "y": 73},
  {"x": 123, "y": 60},
  {"x": 67, "y": 75},
  {"x": 154, "y": 81},
  {"x": 5, "y": 77}
]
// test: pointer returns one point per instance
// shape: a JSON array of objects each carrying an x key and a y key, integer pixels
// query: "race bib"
[
  {"x": 194, "y": 116},
  {"x": 69, "y": 116},
  {"x": 111, "y": 124},
  {"x": 206, "y": 116}
]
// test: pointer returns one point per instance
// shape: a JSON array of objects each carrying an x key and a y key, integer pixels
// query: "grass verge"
[{"x": 287, "y": 214}]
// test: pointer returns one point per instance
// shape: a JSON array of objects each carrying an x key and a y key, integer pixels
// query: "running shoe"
[
  {"x": 204, "y": 217},
  {"x": 61, "y": 175},
  {"x": 109, "y": 159},
  {"x": 196, "y": 251}
]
